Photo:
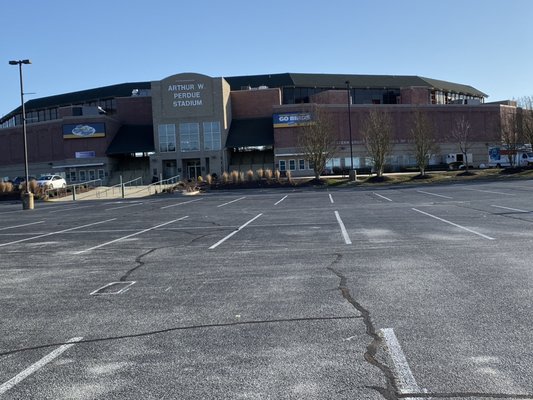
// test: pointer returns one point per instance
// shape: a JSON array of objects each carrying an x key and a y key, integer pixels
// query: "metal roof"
[
  {"x": 83, "y": 96},
  {"x": 356, "y": 81},
  {"x": 270, "y": 80}
]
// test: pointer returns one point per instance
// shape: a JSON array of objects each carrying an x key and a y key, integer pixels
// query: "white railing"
[
  {"x": 159, "y": 186},
  {"x": 132, "y": 188},
  {"x": 74, "y": 188}
]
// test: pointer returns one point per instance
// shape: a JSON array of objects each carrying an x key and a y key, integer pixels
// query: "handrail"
[
  {"x": 128, "y": 186},
  {"x": 73, "y": 186},
  {"x": 163, "y": 184}
]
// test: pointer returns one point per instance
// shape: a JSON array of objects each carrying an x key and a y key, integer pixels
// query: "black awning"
[
  {"x": 251, "y": 132},
  {"x": 132, "y": 139}
]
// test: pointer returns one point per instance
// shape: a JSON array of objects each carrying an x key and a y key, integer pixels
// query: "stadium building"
[{"x": 191, "y": 124}]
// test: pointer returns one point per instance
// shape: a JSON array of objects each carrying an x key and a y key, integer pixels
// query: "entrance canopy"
[
  {"x": 132, "y": 139},
  {"x": 253, "y": 132}
]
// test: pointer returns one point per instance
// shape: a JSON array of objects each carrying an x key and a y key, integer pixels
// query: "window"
[
  {"x": 83, "y": 176},
  {"x": 211, "y": 135},
  {"x": 190, "y": 137},
  {"x": 92, "y": 175},
  {"x": 292, "y": 165},
  {"x": 348, "y": 162},
  {"x": 282, "y": 166},
  {"x": 72, "y": 176},
  {"x": 101, "y": 174},
  {"x": 167, "y": 138},
  {"x": 301, "y": 164}
]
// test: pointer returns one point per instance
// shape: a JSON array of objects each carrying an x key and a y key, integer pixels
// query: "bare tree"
[
  {"x": 317, "y": 141},
  {"x": 511, "y": 134},
  {"x": 377, "y": 137},
  {"x": 423, "y": 139},
  {"x": 461, "y": 134},
  {"x": 526, "y": 103}
]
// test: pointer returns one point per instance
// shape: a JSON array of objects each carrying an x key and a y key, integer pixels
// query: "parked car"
[
  {"x": 52, "y": 182},
  {"x": 19, "y": 180}
]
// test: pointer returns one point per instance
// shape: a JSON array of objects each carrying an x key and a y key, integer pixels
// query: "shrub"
[
  {"x": 289, "y": 176},
  {"x": 260, "y": 173},
  {"x": 241, "y": 176},
  {"x": 33, "y": 186},
  {"x": 200, "y": 179},
  {"x": 209, "y": 179},
  {"x": 235, "y": 177},
  {"x": 268, "y": 174},
  {"x": 225, "y": 177},
  {"x": 277, "y": 174},
  {"x": 250, "y": 175}
]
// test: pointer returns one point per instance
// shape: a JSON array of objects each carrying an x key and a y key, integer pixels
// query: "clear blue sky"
[{"x": 77, "y": 45}]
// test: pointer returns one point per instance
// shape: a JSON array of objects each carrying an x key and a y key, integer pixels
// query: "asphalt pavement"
[{"x": 353, "y": 293}]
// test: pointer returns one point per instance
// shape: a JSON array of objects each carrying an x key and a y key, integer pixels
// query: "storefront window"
[
  {"x": 190, "y": 137},
  {"x": 212, "y": 136},
  {"x": 167, "y": 137}
]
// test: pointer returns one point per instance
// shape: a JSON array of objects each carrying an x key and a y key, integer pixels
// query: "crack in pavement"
[
  {"x": 465, "y": 395},
  {"x": 390, "y": 392},
  {"x": 140, "y": 263},
  {"x": 182, "y": 328}
]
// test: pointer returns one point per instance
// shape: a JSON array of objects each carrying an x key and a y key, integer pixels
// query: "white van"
[{"x": 499, "y": 157}]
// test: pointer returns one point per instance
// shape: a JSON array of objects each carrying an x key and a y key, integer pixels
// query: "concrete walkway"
[{"x": 112, "y": 192}]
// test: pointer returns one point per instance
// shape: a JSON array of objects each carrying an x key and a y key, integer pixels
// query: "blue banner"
[
  {"x": 83, "y": 131},
  {"x": 292, "y": 119}
]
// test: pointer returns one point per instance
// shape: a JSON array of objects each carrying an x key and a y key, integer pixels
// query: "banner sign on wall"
[
  {"x": 292, "y": 119},
  {"x": 81, "y": 131},
  {"x": 85, "y": 154}
]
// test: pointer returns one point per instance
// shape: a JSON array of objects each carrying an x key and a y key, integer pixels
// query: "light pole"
[
  {"x": 27, "y": 198},
  {"x": 352, "y": 171}
]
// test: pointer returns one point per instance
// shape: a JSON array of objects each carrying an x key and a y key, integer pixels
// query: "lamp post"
[
  {"x": 353, "y": 175},
  {"x": 27, "y": 197}
]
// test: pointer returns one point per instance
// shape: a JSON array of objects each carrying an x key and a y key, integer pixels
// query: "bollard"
[
  {"x": 121, "y": 187},
  {"x": 27, "y": 201}
]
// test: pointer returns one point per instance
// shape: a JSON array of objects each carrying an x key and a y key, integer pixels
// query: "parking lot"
[{"x": 384, "y": 293}]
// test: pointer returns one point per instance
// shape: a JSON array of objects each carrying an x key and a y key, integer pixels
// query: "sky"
[{"x": 78, "y": 45}]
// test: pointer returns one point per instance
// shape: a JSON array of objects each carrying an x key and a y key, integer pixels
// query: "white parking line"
[
  {"x": 454, "y": 224},
  {"x": 234, "y": 232},
  {"x": 129, "y": 205},
  {"x": 331, "y": 199},
  {"x": 19, "y": 226},
  {"x": 38, "y": 365},
  {"x": 383, "y": 197},
  {"x": 57, "y": 232},
  {"x": 489, "y": 191},
  {"x": 343, "y": 229},
  {"x": 511, "y": 209},
  {"x": 125, "y": 287},
  {"x": 232, "y": 201},
  {"x": 405, "y": 380},
  {"x": 179, "y": 204},
  {"x": 279, "y": 201},
  {"x": 68, "y": 209},
  {"x": 435, "y": 194},
  {"x": 128, "y": 236}
]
